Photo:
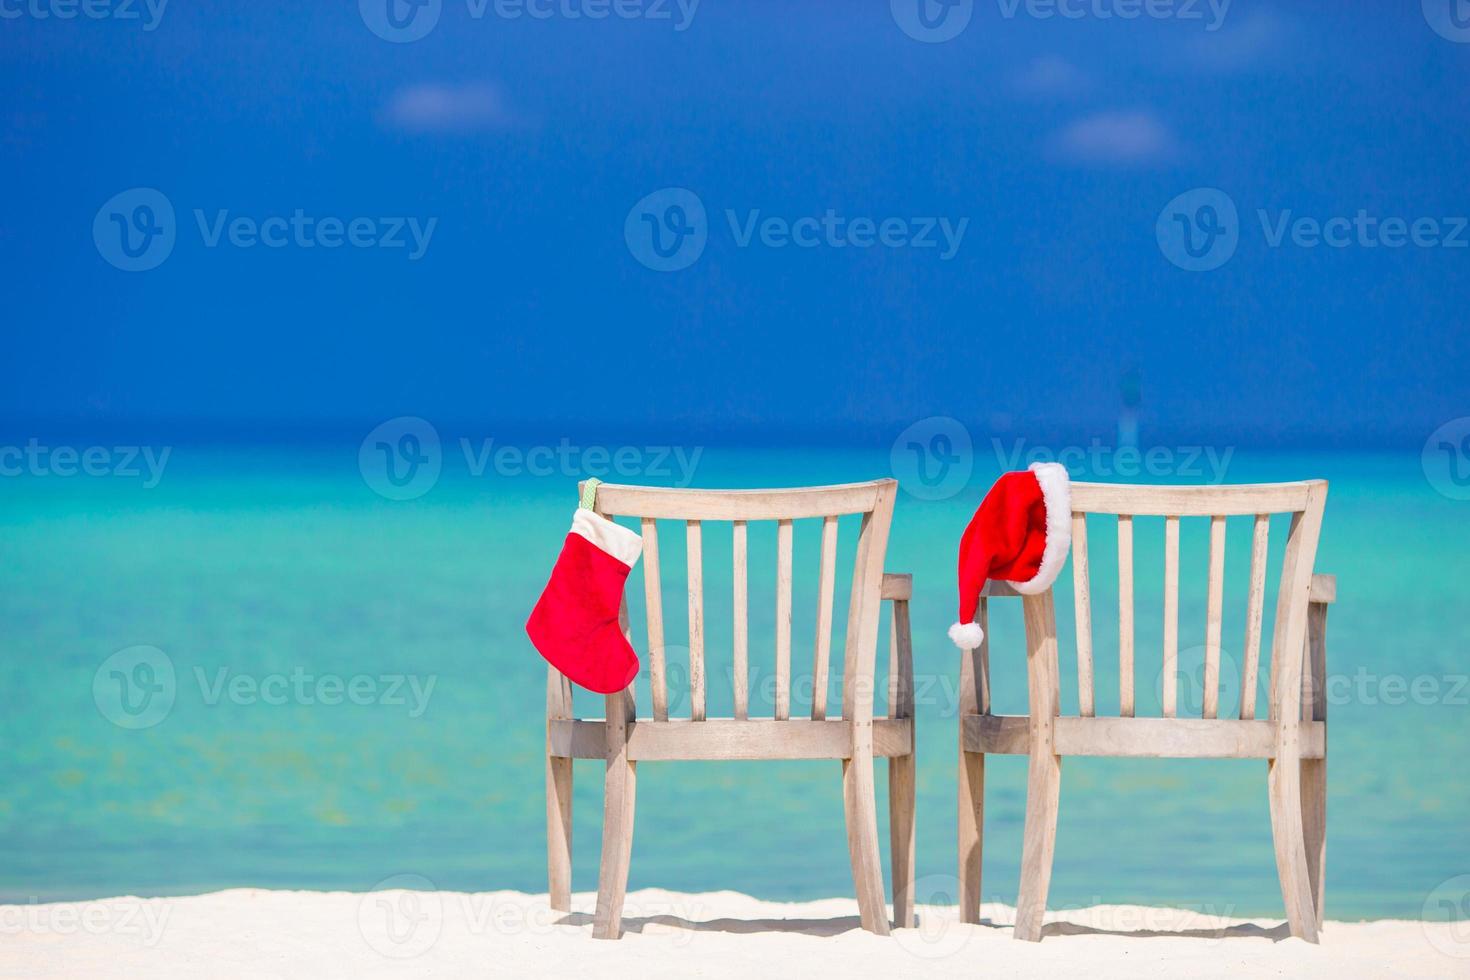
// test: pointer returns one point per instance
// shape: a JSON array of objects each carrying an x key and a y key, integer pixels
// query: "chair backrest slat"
[
  {"x": 1289, "y": 641},
  {"x": 826, "y": 594},
  {"x": 654, "y": 610},
  {"x": 1255, "y": 611},
  {"x": 741, "y": 630},
  {"x": 783, "y": 620},
  {"x": 1125, "y": 615},
  {"x": 694, "y": 535},
  {"x": 1214, "y": 613},
  {"x": 1170, "y": 673},
  {"x": 1082, "y": 602}
]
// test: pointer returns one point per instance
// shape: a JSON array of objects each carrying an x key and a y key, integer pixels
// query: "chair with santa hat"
[{"x": 1017, "y": 545}]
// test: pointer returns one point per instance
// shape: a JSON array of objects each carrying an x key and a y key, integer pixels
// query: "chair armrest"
[
  {"x": 898, "y": 586},
  {"x": 1324, "y": 588}
]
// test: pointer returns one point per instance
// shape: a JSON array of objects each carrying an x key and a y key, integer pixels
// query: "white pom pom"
[{"x": 966, "y": 636}]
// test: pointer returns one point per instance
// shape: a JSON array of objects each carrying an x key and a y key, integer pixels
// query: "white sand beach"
[{"x": 257, "y": 933}]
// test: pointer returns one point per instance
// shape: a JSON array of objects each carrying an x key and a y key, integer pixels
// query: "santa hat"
[{"x": 1020, "y": 535}]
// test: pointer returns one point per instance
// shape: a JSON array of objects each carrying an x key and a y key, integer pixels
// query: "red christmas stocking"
[{"x": 575, "y": 622}]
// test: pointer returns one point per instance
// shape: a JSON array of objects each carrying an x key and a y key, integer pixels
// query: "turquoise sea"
[{"x": 353, "y": 696}]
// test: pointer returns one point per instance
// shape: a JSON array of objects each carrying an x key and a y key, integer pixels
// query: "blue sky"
[{"x": 519, "y": 146}]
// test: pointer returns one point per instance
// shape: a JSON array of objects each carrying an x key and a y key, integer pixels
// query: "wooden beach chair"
[
  {"x": 1292, "y": 738},
  {"x": 855, "y": 738}
]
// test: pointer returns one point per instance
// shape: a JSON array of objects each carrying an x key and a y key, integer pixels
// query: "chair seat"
[
  {"x": 1151, "y": 738},
  {"x": 730, "y": 738}
]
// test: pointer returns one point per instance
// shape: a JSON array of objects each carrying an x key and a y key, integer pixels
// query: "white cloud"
[
  {"x": 448, "y": 108},
  {"x": 1242, "y": 43},
  {"x": 1052, "y": 77},
  {"x": 1125, "y": 138}
]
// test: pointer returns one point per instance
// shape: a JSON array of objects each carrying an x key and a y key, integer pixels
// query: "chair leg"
[
  {"x": 1314, "y": 828},
  {"x": 1038, "y": 843},
  {"x": 972, "y": 832},
  {"x": 862, "y": 841},
  {"x": 559, "y": 832},
  {"x": 619, "y": 793},
  {"x": 1287, "y": 831},
  {"x": 901, "y": 803}
]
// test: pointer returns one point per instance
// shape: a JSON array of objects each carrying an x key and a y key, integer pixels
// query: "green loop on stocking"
[{"x": 589, "y": 492}]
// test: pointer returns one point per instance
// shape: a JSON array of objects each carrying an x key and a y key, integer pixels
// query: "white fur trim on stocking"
[{"x": 620, "y": 542}]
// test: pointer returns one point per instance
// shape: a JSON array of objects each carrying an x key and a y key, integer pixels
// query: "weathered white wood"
[
  {"x": 826, "y": 595},
  {"x": 620, "y": 786},
  {"x": 783, "y": 620},
  {"x": 741, "y": 631},
  {"x": 738, "y": 505},
  {"x": 972, "y": 701},
  {"x": 1213, "y": 618},
  {"x": 558, "y": 797},
  {"x": 856, "y": 739},
  {"x": 730, "y": 739},
  {"x": 1125, "y": 615},
  {"x": 1294, "y": 747},
  {"x": 1254, "y": 614},
  {"x": 857, "y": 708},
  {"x": 695, "y": 560},
  {"x": 1314, "y": 771},
  {"x": 1169, "y": 677},
  {"x": 1044, "y": 770},
  {"x": 654, "y": 604},
  {"x": 898, "y": 586},
  {"x": 901, "y": 769},
  {"x": 1082, "y": 604},
  {"x": 1284, "y": 789},
  {"x": 1187, "y": 501},
  {"x": 1139, "y": 738}
]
